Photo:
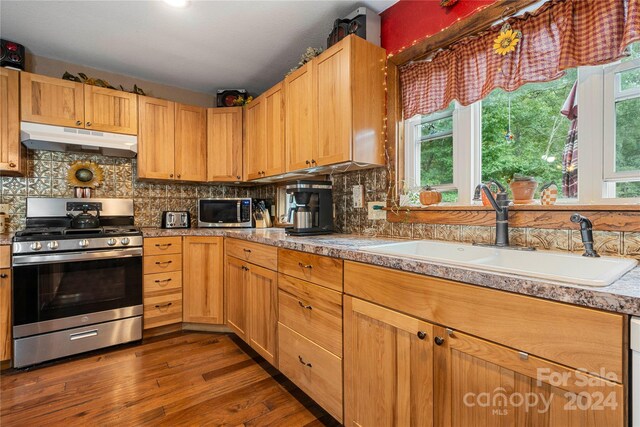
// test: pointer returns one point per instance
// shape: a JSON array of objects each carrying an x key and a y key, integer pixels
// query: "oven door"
[
  {"x": 224, "y": 213},
  {"x": 64, "y": 290}
]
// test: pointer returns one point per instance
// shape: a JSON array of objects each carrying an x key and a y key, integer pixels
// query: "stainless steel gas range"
[{"x": 75, "y": 289}]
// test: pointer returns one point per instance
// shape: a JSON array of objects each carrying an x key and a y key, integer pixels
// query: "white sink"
[{"x": 558, "y": 266}]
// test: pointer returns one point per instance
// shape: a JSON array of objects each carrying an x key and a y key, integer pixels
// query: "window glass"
[
  {"x": 627, "y": 135},
  {"x": 627, "y": 190},
  {"x": 524, "y": 132},
  {"x": 435, "y": 146}
]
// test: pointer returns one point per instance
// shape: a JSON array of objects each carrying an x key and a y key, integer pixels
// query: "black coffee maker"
[{"x": 313, "y": 213}]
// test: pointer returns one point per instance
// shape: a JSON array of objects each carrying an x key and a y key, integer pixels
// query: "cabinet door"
[
  {"x": 5, "y": 314},
  {"x": 203, "y": 280},
  {"x": 300, "y": 111},
  {"x": 191, "y": 143},
  {"x": 479, "y": 383},
  {"x": 274, "y": 130},
  {"x": 388, "y": 367},
  {"x": 110, "y": 110},
  {"x": 11, "y": 151},
  {"x": 51, "y": 101},
  {"x": 236, "y": 296},
  {"x": 224, "y": 144},
  {"x": 263, "y": 311},
  {"x": 255, "y": 139},
  {"x": 333, "y": 85},
  {"x": 156, "y": 138}
]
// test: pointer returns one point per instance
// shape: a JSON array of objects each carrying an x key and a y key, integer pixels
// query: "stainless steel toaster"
[{"x": 176, "y": 219}]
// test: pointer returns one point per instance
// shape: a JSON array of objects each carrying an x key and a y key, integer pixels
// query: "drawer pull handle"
[
  {"x": 421, "y": 335},
  {"x": 163, "y": 281},
  {"x": 439, "y": 340},
  {"x": 303, "y": 362},
  {"x": 305, "y": 265},
  {"x": 523, "y": 355},
  {"x": 164, "y": 305},
  {"x": 4, "y": 276},
  {"x": 245, "y": 268},
  {"x": 247, "y": 250},
  {"x": 163, "y": 245},
  {"x": 80, "y": 335},
  {"x": 308, "y": 307},
  {"x": 163, "y": 262}
]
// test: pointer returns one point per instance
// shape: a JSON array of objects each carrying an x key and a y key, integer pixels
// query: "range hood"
[{"x": 57, "y": 138}]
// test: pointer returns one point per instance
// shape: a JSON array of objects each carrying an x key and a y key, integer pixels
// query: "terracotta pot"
[{"x": 523, "y": 191}]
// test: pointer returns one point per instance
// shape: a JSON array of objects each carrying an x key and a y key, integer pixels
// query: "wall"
[
  {"x": 54, "y": 68},
  {"x": 410, "y": 20},
  {"x": 46, "y": 177}
]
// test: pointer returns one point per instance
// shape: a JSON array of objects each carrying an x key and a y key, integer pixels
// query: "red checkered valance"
[{"x": 559, "y": 35}]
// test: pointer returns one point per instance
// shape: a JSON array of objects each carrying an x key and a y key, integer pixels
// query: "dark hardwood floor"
[{"x": 180, "y": 379}]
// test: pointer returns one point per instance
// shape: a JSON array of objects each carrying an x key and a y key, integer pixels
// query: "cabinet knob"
[
  {"x": 78, "y": 123},
  {"x": 313, "y": 161},
  {"x": 237, "y": 176},
  {"x": 439, "y": 340},
  {"x": 12, "y": 164},
  {"x": 307, "y": 162},
  {"x": 421, "y": 334},
  {"x": 3, "y": 276},
  {"x": 88, "y": 123},
  {"x": 179, "y": 175},
  {"x": 170, "y": 175}
]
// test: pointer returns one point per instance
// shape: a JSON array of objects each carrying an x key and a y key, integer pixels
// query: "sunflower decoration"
[
  {"x": 507, "y": 40},
  {"x": 85, "y": 174}
]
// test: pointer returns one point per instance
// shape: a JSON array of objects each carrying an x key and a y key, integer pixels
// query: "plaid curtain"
[{"x": 561, "y": 34}]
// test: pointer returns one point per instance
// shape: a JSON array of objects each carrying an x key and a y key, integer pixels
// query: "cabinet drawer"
[
  {"x": 162, "y": 245},
  {"x": 255, "y": 253},
  {"x": 162, "y": 282},
  {"x": 312, "y": 311},
  {"x": 5, "y": 256},
  {"x": 162, "y": 310},
  {"x": 315, "y": 370},
  {"x": 574, "y": 336},
  {"x": 321, "y": 270},
  {"x": 162, "y": 263}
]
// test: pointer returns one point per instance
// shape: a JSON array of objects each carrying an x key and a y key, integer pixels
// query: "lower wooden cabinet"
[
  {"x": 236, "y": 296},
  {"x": 162, "y": 283},
  {"x": 5, "y": 314},
  {"x": 388, "y": 367},
  {"x": 203, "y": 279}
]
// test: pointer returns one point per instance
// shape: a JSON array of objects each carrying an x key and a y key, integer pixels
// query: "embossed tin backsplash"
[{"x": 47, "y": 173}]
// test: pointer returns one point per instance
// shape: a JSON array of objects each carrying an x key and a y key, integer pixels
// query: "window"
[{"x": 527, "y": 132}]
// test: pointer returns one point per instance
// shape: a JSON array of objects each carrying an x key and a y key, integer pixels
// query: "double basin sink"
[{"x": 555, "y": 266}]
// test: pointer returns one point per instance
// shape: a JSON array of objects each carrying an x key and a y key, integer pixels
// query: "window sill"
[{"x": 604, "y": 217}]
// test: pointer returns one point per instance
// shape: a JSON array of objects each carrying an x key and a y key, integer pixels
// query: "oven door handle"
[{"x": 75, "y": 256}]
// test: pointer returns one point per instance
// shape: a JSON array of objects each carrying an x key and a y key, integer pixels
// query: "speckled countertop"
[{"x": 623, "y": 296}]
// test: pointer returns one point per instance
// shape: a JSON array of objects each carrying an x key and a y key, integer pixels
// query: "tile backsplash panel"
[{"x": 47, "y": 177}]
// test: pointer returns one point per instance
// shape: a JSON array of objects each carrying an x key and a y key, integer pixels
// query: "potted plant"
[{"x": 523, "y": 188}]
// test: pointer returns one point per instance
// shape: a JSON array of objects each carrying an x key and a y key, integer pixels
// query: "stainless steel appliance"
[
  {"x": 176, "y": 219},
  {"x": 313, "y": 211},
  {"x": 75, "y": 289},
  {"x": 230, "y": 212}
]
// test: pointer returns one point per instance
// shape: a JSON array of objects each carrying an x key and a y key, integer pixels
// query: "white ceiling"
[{"x": 206, "y": 46}]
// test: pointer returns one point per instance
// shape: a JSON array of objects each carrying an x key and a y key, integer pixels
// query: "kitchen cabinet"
[
  {"x": 66, "y": 103},
  {"x": 224, "y": 143},
  {"x": 264, "y": 134},
  {"x": 388, "y": 367},
  {"x": 12, "y": 152},
  {"x": 335, "y": 107},
  {"x": 203, "y": 280},
  {"x": 171, "y": 141},
  {"x": 110, "y": 110},
  {"x": 252, "y": 296},
  {"x": 162, "y": 281},
  {"x": 191, "y": 143},
  {"x": 5, "y": 314}
]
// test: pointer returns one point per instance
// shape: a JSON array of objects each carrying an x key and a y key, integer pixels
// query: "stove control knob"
[
  {"x": 83, "y": 243},
  {"x": 125, "y": 241},
  {"x": 36, "y": 246},
  {"x": 111, "y": 241},
  {"x": 52, "y": 245}
]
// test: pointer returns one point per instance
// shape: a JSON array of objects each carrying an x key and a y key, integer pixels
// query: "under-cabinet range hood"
[{"x": 58, "y": 138}]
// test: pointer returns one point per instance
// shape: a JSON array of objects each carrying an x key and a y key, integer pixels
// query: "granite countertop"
[
  {"x": 5, "y": 238},
  {"x": 623, "y": 296}
]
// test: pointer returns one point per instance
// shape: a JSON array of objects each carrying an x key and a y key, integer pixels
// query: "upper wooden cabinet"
[
  {"x": 65, "y": 103},
  {"x": 203, "y": 279},
  {"x": 12, "y": 153},
  {"x": 172, "y": 140},
  {"x": 156, "y": 138},
  {"x": 224, "y": 142},
  {"x": 335, "y": 107},
  {"x": 51, "y": 101},
  {"x": 191, "y": 143},
  {"x": 110, "y": 110},
  {"x": 264, "y": 134}
]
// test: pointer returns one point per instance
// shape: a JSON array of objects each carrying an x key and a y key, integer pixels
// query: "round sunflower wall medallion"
[{"x": 84, "y": 176}]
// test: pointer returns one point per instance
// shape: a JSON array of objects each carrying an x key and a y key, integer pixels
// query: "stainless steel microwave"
[{"x": 231, "y": 212}]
